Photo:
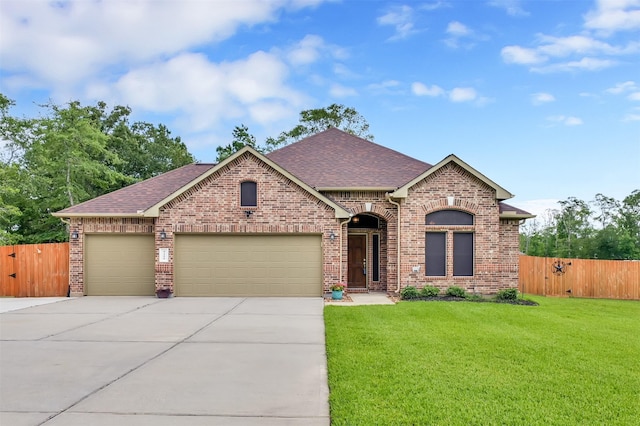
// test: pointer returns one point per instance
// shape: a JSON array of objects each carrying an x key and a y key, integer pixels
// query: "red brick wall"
[
  {"x": 496, "y": 243},
  {"x": 213, "y": 206},
  {"x": 355, "y": 202}
]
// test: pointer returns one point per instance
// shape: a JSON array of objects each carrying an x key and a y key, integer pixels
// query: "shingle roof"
[
  {"x": 330, "y": 159},
  {"x": 336, "y": 159},
  {"x": 509, "y": 209},
  {"x": 139, "y": 196}
]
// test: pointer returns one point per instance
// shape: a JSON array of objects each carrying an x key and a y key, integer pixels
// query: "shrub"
[
  {"x": 455, "y": 291},
  {"x": 409, "y": 292},
  {"x": 507, "y": 294},
  {"x": 429, "y": 291}
]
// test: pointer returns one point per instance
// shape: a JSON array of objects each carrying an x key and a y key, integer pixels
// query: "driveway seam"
[
  {"x": 159, "y": 354},
  {"x": 97, "y": 321}
]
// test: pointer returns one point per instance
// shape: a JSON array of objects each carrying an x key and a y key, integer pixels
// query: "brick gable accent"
[{"x": 213, "y": 206}]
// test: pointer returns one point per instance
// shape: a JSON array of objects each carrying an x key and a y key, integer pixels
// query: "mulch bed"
[{"x": 478, "y": 300}]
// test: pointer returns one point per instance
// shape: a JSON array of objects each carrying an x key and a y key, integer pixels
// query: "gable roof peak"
[{"x": 334, "y": 159}]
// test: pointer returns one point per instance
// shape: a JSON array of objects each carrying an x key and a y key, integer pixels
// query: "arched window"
[
  {"x": 449, "y": 217},
  {"x": 248, "y": 194},
  {"x": 437, "y": 242}
]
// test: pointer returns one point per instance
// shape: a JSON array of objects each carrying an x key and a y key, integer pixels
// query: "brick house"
[{"x": 330, "y": 208}]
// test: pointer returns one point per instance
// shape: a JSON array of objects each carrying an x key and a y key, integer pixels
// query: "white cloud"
[
  {"x": 69, "y": 41},
  {"x": 420, "y": 89},
  {"x": 203, "y": 93},
  {"x": 521, "y": 55},
  {"x": 581, "y": 45},
  {"x": 435, "y": 6},
  {"x": 584, "y": 64},
  {"x": 614, "y": 15},
  {"x": 542, "y": 98},
  {"x": 538, "y": 207},
  {"x": 340, "y": 91},
  {"x": 401, "y": 18},
  {"x": 306, "y": 51},
  {"x": 631, "y": 117},
  {"x": 456, "y": 95},
  {"x": 567, "y": 121},
  {"x": 623, "y": 87},
  {"x": 512, "y": 7},
  {"x": 635, "y": 96},
  {"x": 582, "y": 52},
  {"x": 463, "y": 94},
  {"x": 461, "y": 35},
  {"x": 458, "y": 29}
]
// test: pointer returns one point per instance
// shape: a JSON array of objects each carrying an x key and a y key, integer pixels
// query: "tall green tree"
[
  {"x": 602, "y": 229},
  {"x": 69, "y": 154},
  {"x": 241, "y": 138},
  {"x": 312, "y": 121}
]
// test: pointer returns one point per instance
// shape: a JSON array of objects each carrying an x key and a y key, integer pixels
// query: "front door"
[{"x": 357, "y": 261}]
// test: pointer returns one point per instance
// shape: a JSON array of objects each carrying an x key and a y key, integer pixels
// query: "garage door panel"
[
  {"x": 119, "y": 265},
  {"x": 248, "y": 265}
]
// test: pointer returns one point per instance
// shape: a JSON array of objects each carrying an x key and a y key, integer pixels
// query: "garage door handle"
[{"x": 12, "y": 275}]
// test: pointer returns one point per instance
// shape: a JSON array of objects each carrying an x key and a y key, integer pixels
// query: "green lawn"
[{"x": 565, "y": 362}]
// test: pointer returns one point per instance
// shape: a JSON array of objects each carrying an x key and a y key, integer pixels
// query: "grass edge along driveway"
[{"x": 564, "y": 362}]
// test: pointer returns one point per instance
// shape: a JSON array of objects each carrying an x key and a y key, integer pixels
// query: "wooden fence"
[
  {"x": 34, "y": 270},
  {"x": 606, "y": 279}
]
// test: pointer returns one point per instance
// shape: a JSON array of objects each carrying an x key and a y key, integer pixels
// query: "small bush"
[
  {"x": 429, "y": 291},
  {"x": 455, "y": 291},
  {"x": 507, "y": 294},
  {"x": 409, "y": 292}
]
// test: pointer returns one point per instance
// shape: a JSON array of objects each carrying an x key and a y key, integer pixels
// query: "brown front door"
[{"x": 357, "y": 261}]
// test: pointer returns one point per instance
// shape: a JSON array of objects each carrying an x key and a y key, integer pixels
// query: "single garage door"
[
  {"x": 248, "y": 265},
  {"x": 119, "y": 265}
]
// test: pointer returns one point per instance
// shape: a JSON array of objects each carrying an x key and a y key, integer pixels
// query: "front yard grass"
[{"x": 564, "y": 362}]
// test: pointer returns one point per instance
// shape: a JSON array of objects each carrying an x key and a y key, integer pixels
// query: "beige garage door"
[
  {"x": 119, "y": 265},
  {"x": 248, "y": 265}
]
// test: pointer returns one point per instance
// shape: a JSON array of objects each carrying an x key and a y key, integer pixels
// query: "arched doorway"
[{"x": 367, "y": 253}]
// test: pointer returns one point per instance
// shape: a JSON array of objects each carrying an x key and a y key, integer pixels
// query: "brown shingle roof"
[
  {"x": 139, "y": 196},
  {"x": 336, "y": 159},
  {"x": 509, "y": 209}
]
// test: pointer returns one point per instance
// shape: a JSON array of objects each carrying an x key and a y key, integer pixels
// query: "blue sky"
[{"x": 543, "y": 97}]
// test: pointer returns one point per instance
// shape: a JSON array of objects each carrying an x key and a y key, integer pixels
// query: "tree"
[
  {"x": 241, "y": 138},
  {"x": 609, "y": 231},
  {"x": 312, "y": 121},
  {"x": 68, "y": 155}
]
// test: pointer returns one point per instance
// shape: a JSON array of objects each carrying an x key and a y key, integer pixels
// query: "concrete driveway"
[{"x": 180, "y": 361}]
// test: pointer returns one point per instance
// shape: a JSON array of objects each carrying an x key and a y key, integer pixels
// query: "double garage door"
[{"x": 207, "y": 265}]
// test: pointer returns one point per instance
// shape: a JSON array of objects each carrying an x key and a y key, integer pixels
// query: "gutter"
[{"x": 398, "y": 239}]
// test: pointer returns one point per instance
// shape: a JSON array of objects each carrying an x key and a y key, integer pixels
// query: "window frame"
[
  {"x": 254, "y": 197},
  {"x": 465, "y": 262},
  {"x": 441, "y": 258},
  {"x": 462, "y": 222}
]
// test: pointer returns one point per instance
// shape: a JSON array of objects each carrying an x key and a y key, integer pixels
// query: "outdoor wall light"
[
  {"x": 74, "y": 235},
  {"x": 163, "y": 235},
  {"x": 332, "y": 236},
  {"x": 248, "y": 213}
]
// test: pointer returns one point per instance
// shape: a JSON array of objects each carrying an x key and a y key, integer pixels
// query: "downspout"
[
  {"x": 342, "y": 223},
  {"x": 397, "y": 241}
]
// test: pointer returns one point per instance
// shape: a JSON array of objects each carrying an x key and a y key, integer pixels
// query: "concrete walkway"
[
  {"x": 180, "y": 361},
  {"x": 358, "y": 299},
  {"x": 8, "y": 304}
]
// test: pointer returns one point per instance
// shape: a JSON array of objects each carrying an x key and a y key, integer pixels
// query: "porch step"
[{"x": 357, "y": 290}]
